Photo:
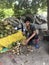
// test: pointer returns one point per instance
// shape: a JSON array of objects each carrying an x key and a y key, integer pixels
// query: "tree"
[
  {"x": 32, "y": 5},
  {"x": 48, "y": 12},
  {"x": 26, "y": 6},
  {"x": 6, "y": 3}
]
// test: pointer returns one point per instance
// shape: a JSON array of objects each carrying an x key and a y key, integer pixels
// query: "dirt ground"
[{"x": 36, "y": 57}]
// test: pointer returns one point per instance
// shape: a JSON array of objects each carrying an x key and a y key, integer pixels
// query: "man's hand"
[{"x": 26, "y": 41}]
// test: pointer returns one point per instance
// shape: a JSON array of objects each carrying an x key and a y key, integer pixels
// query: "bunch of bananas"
[
  {"x": 6, "y": 29},
  {"x": 8, "y": 35}
]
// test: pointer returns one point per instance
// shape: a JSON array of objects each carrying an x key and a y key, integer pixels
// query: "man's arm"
[{"x": 34, "y": 33}]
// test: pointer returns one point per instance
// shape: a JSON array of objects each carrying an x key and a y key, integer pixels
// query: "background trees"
[
  {"x": 29, "y": 6},
  {"x": 20, "y": 7}
]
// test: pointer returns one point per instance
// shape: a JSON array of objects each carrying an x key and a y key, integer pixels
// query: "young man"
[{"x": 31, "y": 33}]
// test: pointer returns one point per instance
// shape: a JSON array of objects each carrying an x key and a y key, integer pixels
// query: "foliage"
[
  {"x": 2, "y": 15},
  {"x": 29, "y": 6},
  {"x": 6, "y": 3},
  {"x": 22, "y": 6},
  {"x": 8, "y": 12}
]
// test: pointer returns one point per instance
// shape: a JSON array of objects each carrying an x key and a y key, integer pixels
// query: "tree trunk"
[{"x": 48, "y": 13}]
